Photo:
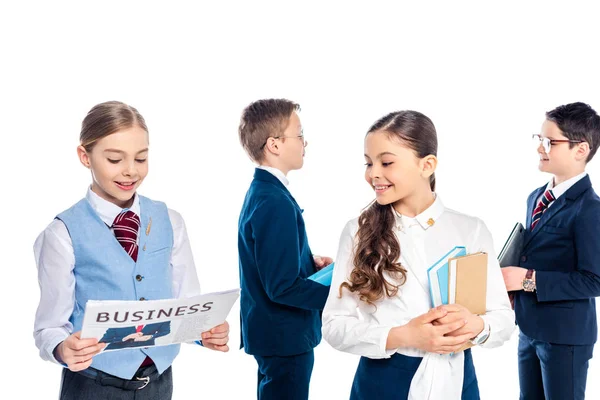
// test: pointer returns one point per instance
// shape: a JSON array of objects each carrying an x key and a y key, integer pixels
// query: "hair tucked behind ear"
[{"x": 378, "y": 251}]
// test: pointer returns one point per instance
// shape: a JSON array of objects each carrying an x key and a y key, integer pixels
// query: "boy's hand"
[
  {"x": 513, "y": 277},
  {"x": 322, "y": 262},
  {"x": 217, "y": 338},
  {"x": 77, "y": 353},
  {"x": 456, "y": 312}
]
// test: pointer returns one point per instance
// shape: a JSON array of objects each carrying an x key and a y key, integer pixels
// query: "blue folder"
[
  {"x": 323, "y": 276},
  {"x": 440, "y": 268}
]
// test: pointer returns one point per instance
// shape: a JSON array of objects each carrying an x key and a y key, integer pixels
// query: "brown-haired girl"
[
  {"x": 379, "y": 305},
  {"x": 113, "y": 245}
]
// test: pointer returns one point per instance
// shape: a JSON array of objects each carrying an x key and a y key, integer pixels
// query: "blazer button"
[
  {"x": 524, "y": 258},
  {"x": 142, "y": 298},
  {"x": 138, "y": 278}
]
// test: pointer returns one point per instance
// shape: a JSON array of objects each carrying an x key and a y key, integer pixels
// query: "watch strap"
[{"x": 529, "y": 274}]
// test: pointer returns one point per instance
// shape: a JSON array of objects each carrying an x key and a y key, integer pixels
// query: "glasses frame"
[
  {"x": 301, "y": 137},
  {"x": 547, "y": 142}
]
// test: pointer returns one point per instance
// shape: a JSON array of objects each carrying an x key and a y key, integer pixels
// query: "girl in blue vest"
[
  {"x": 379, "y": 303},
  {"x": 113, "y": 245}
]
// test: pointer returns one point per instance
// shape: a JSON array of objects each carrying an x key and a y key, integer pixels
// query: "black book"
[{"x": 509, "y": 256}]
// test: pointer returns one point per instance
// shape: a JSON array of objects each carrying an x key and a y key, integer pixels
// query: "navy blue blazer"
[
  {"x": 564, "y": 249},
  {"x": 280, "y": 308},
  {"x": 114, "y": 336}
]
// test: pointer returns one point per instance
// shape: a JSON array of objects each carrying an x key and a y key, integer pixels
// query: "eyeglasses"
[
  {"x": 301, "y": 137},
  {"x": 547, "y": 142}
]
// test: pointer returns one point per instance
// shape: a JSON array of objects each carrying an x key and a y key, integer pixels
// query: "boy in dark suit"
[
  {"x": 280, "y": 307},
  {"x": 558, "y": 276}
]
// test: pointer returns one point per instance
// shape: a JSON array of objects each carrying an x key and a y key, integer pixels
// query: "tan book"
[{"x": 467, "y": 283}]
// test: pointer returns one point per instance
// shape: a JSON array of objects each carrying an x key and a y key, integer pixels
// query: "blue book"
[
  {"x": 323, "y": 276},
  {"x": 438, "y": 276}
]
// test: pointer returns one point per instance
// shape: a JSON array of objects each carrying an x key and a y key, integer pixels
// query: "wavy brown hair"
[{"x": 378, "y": 249}]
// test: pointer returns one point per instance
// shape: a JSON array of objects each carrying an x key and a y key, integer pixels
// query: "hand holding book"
[
  {"x": 460, "y": 281},
  {"x": 322, "y": 262},
  {"x": 473, "y": 326},
  {"x": 323, "y": 275},
  {"x": 425, "y": 334}
]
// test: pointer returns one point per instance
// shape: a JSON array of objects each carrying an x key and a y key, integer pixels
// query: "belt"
[{"x": 143, "y": 377}]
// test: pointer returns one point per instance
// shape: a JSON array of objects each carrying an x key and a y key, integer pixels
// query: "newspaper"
[{"x": 130, "y": 324}]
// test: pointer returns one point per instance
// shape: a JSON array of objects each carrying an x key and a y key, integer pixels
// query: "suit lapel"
[
  {"x": 565, "y": 200},
  {"x": 555, "y": 207},
  {"x": 266, "y": 176},
  {"x": 293, "y": 199}
]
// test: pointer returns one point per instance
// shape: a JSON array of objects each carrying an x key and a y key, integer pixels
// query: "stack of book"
[{"x": 460, "y": 278}]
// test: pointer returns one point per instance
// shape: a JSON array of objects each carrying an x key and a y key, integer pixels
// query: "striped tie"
[
  {"x": 541, "y": 208},
  {"x": 126, "y": 228}
]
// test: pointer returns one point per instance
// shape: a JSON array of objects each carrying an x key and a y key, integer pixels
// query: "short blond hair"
[{"x": 261, "y": 120}]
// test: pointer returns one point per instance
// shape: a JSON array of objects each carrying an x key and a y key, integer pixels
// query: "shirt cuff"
[
  {"x": 385, "y": 332},
  {"x": 52, "y": 345},
  {"x": 492, "y": 333},
  {"x": 486, "y": 331}
]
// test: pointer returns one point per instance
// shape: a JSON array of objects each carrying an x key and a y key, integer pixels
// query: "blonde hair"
[
  {"x": 107, "y": 118},
  {"x": 261, "y": 120}
]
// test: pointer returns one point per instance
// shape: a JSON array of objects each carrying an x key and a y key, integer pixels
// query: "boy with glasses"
[
  {"x": 280, "y": 307},
  {"x": 558, "y": 276}
]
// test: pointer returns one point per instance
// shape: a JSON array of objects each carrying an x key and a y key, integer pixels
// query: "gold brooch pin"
[
  {"x": 430, "y": 222},
  {"x": 149, "y": 226}
]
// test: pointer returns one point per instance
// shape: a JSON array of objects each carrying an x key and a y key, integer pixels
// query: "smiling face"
[
  {"x": 119, "y": 164},
  {"x": 393, "y": 170},
  {"x": 561, "y": 159}
]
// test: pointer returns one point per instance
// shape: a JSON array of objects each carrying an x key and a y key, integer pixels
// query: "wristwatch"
[
  {"x": 528, "y": 282},
  {"x": 483, "y": 335}
]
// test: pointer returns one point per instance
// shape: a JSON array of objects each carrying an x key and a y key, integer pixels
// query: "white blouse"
[{"x": 356, "y": 327}]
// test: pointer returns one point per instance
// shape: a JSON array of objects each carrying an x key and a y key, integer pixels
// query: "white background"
[{"x": 484, "y": 73}]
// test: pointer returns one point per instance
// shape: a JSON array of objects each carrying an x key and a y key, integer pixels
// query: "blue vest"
[{"x": 104, "y": 271}]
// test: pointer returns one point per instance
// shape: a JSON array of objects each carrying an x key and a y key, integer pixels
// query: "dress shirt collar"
[
  {"x": 561, "y": 188},
  {"x": 425, "y": 219},
  {"x": 277, "y": 173},
  {"x": 108, "y": 211}
]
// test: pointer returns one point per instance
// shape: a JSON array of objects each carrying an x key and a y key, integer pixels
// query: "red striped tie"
[
  {"x": 126, "y": 228},
  {"x": 541, "y": 208}
]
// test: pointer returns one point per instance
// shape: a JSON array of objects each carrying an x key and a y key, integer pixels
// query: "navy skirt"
[{"x": 389, "y": 378}]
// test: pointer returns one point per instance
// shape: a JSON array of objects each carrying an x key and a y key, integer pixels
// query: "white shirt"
[
  {"x": 55, "y": 261},
  {"x": 561, "y": 188},
  {"x": 354, "y": 326},
  {"x": 277, "y": 173}
]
